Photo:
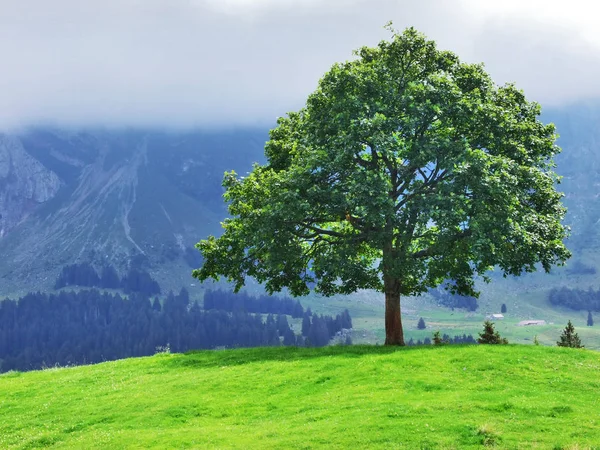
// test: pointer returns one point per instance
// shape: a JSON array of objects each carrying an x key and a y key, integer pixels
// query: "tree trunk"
[
  {"x": 393, "y": 321},
  {"x": 392, "y": 289}
]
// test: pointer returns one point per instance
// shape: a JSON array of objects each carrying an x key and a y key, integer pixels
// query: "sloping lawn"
[{"x": 451, "y": 397}]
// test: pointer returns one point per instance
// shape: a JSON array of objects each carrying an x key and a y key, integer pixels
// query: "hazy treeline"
[
  {"x": 89, "y": 326},
  {"x": 445, "y": 298},
  {"x": 464, "y": 339},
  {"x": 318, "y": 330},
  {"x": 576, "y": 299},
  {"x": 135, "y": 280},
  {"x": 227, "y": 301}
]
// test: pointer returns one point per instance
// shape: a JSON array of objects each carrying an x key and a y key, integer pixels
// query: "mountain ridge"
[
  {"x": 148, "y": 196},
  {"x": 120, "y": 196}
]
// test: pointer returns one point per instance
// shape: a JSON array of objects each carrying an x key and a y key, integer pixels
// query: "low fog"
[{"x": 222, "y": 63}]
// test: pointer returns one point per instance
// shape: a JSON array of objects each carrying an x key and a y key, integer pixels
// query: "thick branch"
[
  {"x": 426, "y": 185},
  {"x": 322, "y": 231},
  {"x": 431, "y": 251}
]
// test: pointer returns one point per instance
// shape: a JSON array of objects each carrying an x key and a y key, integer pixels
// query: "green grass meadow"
[{"x": 449, "y": 397}]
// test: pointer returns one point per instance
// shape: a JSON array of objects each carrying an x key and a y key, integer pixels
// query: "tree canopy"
[{"x": 406, "y": 169}]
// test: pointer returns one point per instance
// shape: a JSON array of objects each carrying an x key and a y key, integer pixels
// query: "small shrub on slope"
[
  {"x": 488, "y": 436},
  {"x": 569, "y": 338},
  {"x": 490, "y": 336}
]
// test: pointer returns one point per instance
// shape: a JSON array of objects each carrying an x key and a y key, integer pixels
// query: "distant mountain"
[
  {"x": 118, "y": 198},
  {"x": 579, "y": 164},
  {"x": 146, "y": 197}
]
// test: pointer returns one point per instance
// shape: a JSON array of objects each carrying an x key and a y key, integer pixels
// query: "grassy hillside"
[{"x": 337, "y": 397}]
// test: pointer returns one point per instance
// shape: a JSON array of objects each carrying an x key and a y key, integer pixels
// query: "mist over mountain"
[
  {"x": 579, "y": 164},
  {"x": 145, "y": 197}
]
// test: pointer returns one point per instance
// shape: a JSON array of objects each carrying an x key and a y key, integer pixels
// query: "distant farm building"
[
  {"x": 526, "y": 323},
  {"x": 495, "y": 317}
]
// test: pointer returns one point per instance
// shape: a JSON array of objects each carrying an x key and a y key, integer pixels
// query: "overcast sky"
[{"x": 184, "y": 63}]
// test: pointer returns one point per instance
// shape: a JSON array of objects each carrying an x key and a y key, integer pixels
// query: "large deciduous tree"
[{"x": 405, "y": 170}]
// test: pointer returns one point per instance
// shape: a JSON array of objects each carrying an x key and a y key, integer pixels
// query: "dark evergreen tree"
[
  {"x": 289, "y": 338},
  {"x": 437, "y": 339},
  {"x": 569, "y": 338},
  {"x": 139, "y": 281},
  {"x": 590, "y": 319},
  {"x": 421, "y": 324},
  {"x": 346, "y": 320},
  {"x": 318, "y": 334},
  {"x": 282, "y": 324},
  {"x": 77, "y": 275},
  {"x": 109, "y": 279},
  {"x": 306, "y": 323},
  {"x": 298, "y": 311},
  {"x": 184, "y": 298},
  {"x": 489, "y": 335},
  {"x": 271, "y": 333},
  {"x": 503, "y": 308}
]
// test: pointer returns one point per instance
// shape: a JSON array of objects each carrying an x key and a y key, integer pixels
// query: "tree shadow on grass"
[{"x": 236, "y": 357}]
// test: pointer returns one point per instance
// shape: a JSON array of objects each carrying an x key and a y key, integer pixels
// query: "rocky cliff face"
[
  {"x": 24, "y": 183},
  {"x": 118, "y": 198}
]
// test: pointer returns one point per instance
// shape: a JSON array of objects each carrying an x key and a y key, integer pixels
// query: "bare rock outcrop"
[{"x": 24, "y": 183}]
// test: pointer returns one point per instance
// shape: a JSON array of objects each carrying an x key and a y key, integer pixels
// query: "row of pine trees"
[
  {"x": 84, "y": 275},
  {"x": 89, "y": 326}
]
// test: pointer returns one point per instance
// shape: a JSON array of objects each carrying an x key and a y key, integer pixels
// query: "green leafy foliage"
[
  {"x": 490, "y": 335},
  {"x": 569, "y": 338},
  {"x": 406, "y": 169}
]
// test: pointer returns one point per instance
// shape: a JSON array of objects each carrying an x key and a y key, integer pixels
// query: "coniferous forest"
[
  {"x": 576, "y": 299},
  {"x": 449, "y": 300},
  {"x": 135, "y": 280},
  {"x": 89, "y": 326},
  {"x": 262, "y": 304}
]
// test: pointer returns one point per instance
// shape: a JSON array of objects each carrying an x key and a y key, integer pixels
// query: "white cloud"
[
  {"x": 239, "y": 62},
  {"x": 579, "y": 17}
]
